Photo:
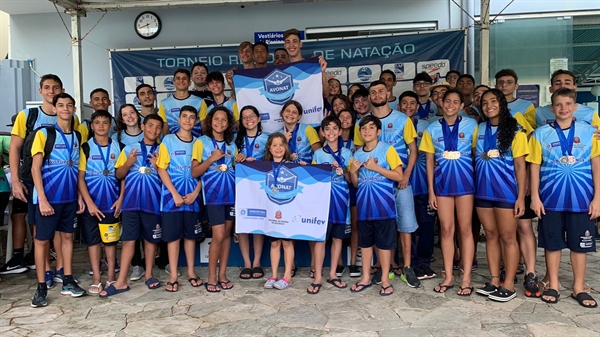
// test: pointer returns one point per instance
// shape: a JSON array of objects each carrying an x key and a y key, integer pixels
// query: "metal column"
[
  {"x": 485, "y": 42},
  {"x": 77, "y": 58}
]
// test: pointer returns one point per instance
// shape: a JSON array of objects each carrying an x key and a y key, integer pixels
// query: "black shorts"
[
  {"x": 338, "y": 231},
  {"x": 177, "y": 225},
  {"x": 560, "y": 230},
  {"x": 63, "y": 220},
  {"x": 217, "y": 215},
  {"x": 90, "y": 232},
  {"x": 4, "y": 197},
  {"x": 529, "y": 213},
  {"x": 493, "y": 204},
  {"x": 379, "y": 233},
  {"x": 141, "y": 225},
  {"x": 19, "y": 206}
]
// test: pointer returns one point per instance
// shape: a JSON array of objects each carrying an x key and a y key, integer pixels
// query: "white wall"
[
  {"x": 43, "y": 36},
  {"x": 3, "y": 34}
]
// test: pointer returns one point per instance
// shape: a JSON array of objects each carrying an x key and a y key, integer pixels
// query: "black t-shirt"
[{"x": 204, "y": 94}]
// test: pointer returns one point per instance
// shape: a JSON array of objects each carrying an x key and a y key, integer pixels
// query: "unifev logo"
[
  {"x": 341, "y": 74},
  {"x": 403, "y": 71},
  {"x": 364, "y": 73},
  {"x": 313, "y": 220},
  {"x": 278, "y": 87},
  {"x": 285, "y": 189},
  {"x": 435, "y": 68}
]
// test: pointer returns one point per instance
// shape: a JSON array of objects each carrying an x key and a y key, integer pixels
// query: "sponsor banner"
[
  {"x": 295, "y": 206},
  {"x": 271, "y": 37},
  {"x": 351, "y": 60},
  {"x": 269, "y": 88}
]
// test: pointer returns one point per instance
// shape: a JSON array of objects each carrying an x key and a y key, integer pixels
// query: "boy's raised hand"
[
  {"x": 371, "y": 164},
  {"x": 240, "y": 157},
  {"x": 132, "y": 157},
  {"x": 354, "y": 166}
]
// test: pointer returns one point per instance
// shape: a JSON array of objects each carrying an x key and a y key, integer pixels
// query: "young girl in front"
[
  {"x": 219, "y": 155},
  {"x": 278, "y": 153},
  {"x": 500, "y": 191},
  {"x": 129, "y": 126},
  {"x": 448, "y": 145},
  {"x": 250, "y": 141}
]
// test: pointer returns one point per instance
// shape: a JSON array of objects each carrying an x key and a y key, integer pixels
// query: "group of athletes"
[{"x": 452, "y": 152}]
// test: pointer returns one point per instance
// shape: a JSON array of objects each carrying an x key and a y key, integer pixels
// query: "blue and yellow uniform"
[
  {"x": 103, "y": 188},
  {"x": 303, "y": 136},
  {"x": 169, "y": 109},
  {"x": 425, "y": 111},
  {"x": 255, "y": 147},
  {"x": 127, "y": 139},
  {"x": 418, "y": 177},
  {"x": 218, "y": 188},
  {"x": 496, "y": 178},
  {"x": 43, "y": 119},
  {"x": 584, "y": 113},
  {"x": 349, "y": 144},
  {"x": 85, "y": 127},
  {"x": 452, "y": 177},
  {"x": 229, "y": 103},
  {"x": 525, "y": 108}
]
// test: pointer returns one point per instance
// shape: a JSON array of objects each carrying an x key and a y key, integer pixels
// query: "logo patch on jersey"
[
  {"x": 420, "y": 134},
  {"x": 256, "y": 146},
  {"x": 278, "y": 87},
  {"x": 376, "y": 161},
  {"x": 60, "y": 146},
  {"x": 574, "y": 119},
  {"x": 299, "y": 139},
  {"x": 461, "y": 135},
  {"x": 229, "y": 152},
  {"x": 576, "y": 140},
  {"x": 180, "y": 152},
  {"x": 286, "y": 186},
  {"x": 175, "y": 110},
  {"x": 390, "y": 125},
  {"x": 481, "y": 137},
  {"x": 112, "y": 156},
  {"x": 96, "y": 158}
]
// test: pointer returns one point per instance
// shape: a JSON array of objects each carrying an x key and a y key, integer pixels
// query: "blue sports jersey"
[
  {"x": 256, "y": 146},
  {"x": 428, "y": 108},
  {"x": 142, "y": 190},
  {"x": 175, "y": 155},
  {"x": 452, "y": 177},
  {"x": 375, "y": 197},
  {"x": 418, "y": 177},
  {"x": 565, "y": 187},
  {"x": 304, "y": 138},
  {"x": 584, "y": 113},
  {"x": 394, "y": 104},
  {"x": 339, "y": 205},
  {"x": 104, "y": 189},
  {"x": 169, "y": 111},
  {"x": 218, "y": 188},
  {"x": 58, "y": 177},
  {"x": 349, "y": 144},
  {"x": 127, "y": 139}
]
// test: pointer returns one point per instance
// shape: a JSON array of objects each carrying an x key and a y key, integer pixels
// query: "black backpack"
[{"x": 27, "y": 159}]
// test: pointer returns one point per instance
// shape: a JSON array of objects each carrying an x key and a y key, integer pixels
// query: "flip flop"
[
  {"x": 461, "y": 289},
  {"x": 383, "y": 289},
  {"x": 443, "y": 287},
  {"x": 258, "y": 270},
  {"x": 111, "y": 290},
  {"x": 215, "y": 290},
  {"x": 196, "y": 279},
  {"x": 583, "y": 296},
  {"x": 336, "y": 283},
  {"x": 223, "y": 285},
  {"x": 174, "y": 287},
  {"x": 294, "y": 271},
  {"x": 362, "y": 287},
  {"x": 312, "y": 273},
  {"x": 316, "y": 288},
  {"x": 553, "y": 293},
  {"x": 149, "y": 282},
  {"x": 246, "y": 274}
]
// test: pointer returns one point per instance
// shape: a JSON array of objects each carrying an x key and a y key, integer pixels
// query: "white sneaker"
[
  {"x": 168, "y": 270},
  {"x": 137, "y": 273}
]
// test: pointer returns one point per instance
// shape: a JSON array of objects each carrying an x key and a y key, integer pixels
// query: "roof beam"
[
  {"x": 124, "y": 5},
  {"x": 67, "y": 4}
]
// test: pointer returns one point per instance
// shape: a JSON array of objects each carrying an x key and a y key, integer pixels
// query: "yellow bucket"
[{"x": 110, "y": 232}]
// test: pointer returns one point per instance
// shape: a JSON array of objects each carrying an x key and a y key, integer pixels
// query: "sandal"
[
  {"x": 174, "y": 287},
  {"x": 440, "y": 287},
  {"x": 257, "y": 271},
  {"x": 111, "y": 290},
  {"x": 383, "y": 290},
  {"x": 197, "y": 280},
  {"x": 583, "y": 296},
  {"x": 96, "y": 288},
  {"x": 336, "y": 282},
  {"x": 226, "y": 285},
  {"x": 375, "y": 269},
  {"x": 294, "y": 271},
  {"x": 551, "y": 293},
  {"x": 215, "y": 288},
  {"x": 312, "y": 273},
  {"x": 359, "y": 287},
  {"x": 461, "y": 291},
  {"x": 316, "y": 288},
  {"x": 246, "y": 274},
  {"x": 153, "y": 280}
]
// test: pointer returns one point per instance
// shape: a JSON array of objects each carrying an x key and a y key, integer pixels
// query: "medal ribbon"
[
  {"x": 347, "y": 144},
  {"x": 424, "y": 110},
  {"x": 69, "y": 146},
  {"x": 144, "y": 150},
  {"x": 338, "y": 157},
  {"x": 566, "y": 144},
  {"x": 276, "y": 170},
  {"x": 450, "y": 137},
  {"x": 104, "y": 159},
  {"x": 292, "y": 143},
  {"x": 222, "y": 148},
  {"x": 250, "y": 146},
  {"x": 489, "y": 140}
]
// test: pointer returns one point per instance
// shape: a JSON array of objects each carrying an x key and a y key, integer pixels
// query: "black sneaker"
[
  {"x": 487, "y": 289},
  {"x": 502, "y": 295},
  {"x": 408, "y": 276},
  {"x": 355, "y": 271},
  {"x": 376, "y": 278},
  {"x": 339, "y": 271},
  {"x": 29, "y": 260},
  {"x": 429, "y": 272},
  {"x": 13, "y": 267},
  {"x": 39, "y": 299},
  {"x": 420, "y": 273}
]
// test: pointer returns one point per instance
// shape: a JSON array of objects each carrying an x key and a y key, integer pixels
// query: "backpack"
[{"x": 25, "y": 169}]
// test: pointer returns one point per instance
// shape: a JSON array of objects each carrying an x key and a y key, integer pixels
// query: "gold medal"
[
  {"x": 223, "y": 168},
  {"x": 494, "y": 153},
  {"x": 451, "y": 155},
  {"x": 571, "y": 160},
  {"x": 339, "y": 171},
  {"x": 142, "y": 169}
]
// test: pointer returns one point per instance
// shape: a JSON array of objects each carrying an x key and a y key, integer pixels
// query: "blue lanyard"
[
  {"x": 104, "y": 158},
  {"x": 489, "y": 140},
  {"x": 450, "y": 137},
  {"x": 338, "y": 157},
  {"x": 424, "y": 112},
  {"x": 347, "y": 144},
  {"x": 222, "y": 148},
  {"x": 69, "y": 146},
  {"x": 276, "y": 170},
  {"x": 292, "y": 143},
  {"x": 145, "y": 159},
  {"x": 250, "y": 146},
  {"x": 566, "y": 144}
]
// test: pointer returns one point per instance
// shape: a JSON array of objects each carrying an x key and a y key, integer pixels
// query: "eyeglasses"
[
  {"x": 437, "y": 93},
  {"x": 245, "y": 118},
  {"x": 503, "y": 83},
  {"x": 422, "y": 84}
]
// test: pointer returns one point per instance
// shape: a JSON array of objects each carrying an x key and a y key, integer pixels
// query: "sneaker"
[
  {"x": 531, "y": 286},
  {"x": 339, "y": 271},
  {"x": 432, "y": 259},
  {"x": 52, "y": 254},
  {"x": 376, "y": 278},
  {"x": 168, "y": 270},
  {"x": 59, "y": 275},
  {"x": 408, "y": 276},
  {"x": 137, "y": 273},
  {"x": 29, "y": 260},
  {"x": 270, "y": 282},
  {"x": 429, "y": 272},
  {"x": 355, "y": 271},
  {"x": 72, "y": 289},
  {"x": 521, "y": 269},
  {"x": 420, "y": 273},
  {"x": 13, "y": 267},
  {"x": 474, "y": 267},
  {"x": 502, "y": 295},
  {"x": 39, "y": 299},
  {"x": 487, "y": 289},
  {"x": 282, "y": 284},
  {"x": 49, "y": 279}
]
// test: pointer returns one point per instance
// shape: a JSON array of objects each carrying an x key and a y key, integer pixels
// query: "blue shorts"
[
  {"x": 140, "y": 225},
  {"x": 177, "y": 225},
  {"x": 353, "y": 191},
  {"x": 560, "y": 230},
  {"x": 63, "y": 220},
  {"x": 493, "y": 204},
  {"x": 90, "y": 232},
  {"x": 379, "y": 233},
  {"x": 31, "y": 207},
  {"x": 406, "y": 220},
  {"x": 217, "y": 215},
  {"x": 338, "y": 231}
]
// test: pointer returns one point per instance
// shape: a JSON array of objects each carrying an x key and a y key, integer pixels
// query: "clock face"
[{"x": 147, "y": 25}]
